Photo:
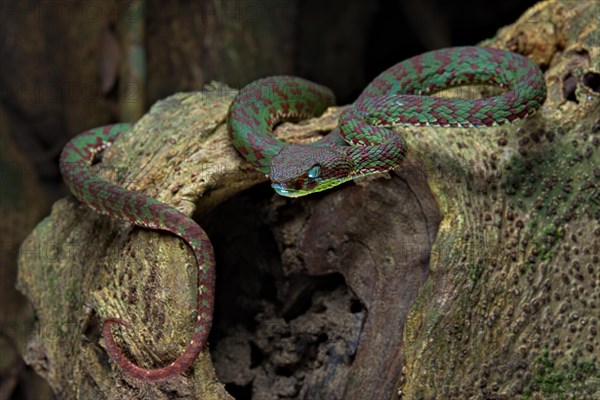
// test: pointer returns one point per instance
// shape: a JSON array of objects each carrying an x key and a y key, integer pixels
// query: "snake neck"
[{"x": 261, "y": 106}]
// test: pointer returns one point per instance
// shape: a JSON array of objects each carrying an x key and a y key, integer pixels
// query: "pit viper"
[{"x": 363, "y": 143}]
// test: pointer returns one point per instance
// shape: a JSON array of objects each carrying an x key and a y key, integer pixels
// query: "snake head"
[{"x": 298, "y": 170}]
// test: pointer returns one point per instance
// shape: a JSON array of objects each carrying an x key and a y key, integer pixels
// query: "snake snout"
[{"x": 298, "y": 170}]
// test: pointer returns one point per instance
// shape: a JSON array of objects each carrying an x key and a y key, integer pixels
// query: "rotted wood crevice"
[{"x": 329, "y": 306}]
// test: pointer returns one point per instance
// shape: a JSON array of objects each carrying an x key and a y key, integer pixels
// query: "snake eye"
[{"x": 314, "y": 171}]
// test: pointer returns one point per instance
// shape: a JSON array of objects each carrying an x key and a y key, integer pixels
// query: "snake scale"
[{"x": 362, "y": 144}]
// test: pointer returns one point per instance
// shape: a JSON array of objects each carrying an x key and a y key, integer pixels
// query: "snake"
[{"x": 364, "y": 142}]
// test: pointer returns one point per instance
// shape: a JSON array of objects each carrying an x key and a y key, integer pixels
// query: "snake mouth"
[{"x": 287, "y": 192}]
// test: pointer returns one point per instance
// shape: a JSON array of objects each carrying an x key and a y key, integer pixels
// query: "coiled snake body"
[{"x": 362, "y": 144}]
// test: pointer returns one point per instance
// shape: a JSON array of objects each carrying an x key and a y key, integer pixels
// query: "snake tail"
[{"x": 146, "y": 212}]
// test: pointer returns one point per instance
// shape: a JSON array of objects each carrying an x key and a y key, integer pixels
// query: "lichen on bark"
[{"x": 510, "y": 309}]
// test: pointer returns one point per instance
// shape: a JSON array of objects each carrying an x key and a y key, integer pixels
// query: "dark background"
[{"x": 69, "y": 66}]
